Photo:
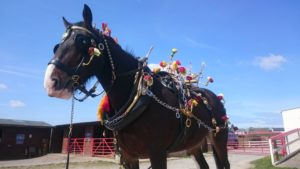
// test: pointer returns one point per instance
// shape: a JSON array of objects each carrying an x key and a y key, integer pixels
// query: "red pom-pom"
[
  {"x": 189, "y": 78},
  {"x": 181, "y": 70},
  {"x": 104, "y": 26},
  {"x": 163, "y": 64},
  {"x": 225, "y": 118},
  {"x": 178, "y": 62},
  {"x": 210, "y": 79}
]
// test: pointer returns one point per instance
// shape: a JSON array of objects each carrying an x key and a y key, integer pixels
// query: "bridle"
[{"x": 73, "y": 73}]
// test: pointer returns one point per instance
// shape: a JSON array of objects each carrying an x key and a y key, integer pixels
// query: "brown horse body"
[{"x": 157, "y": 131}]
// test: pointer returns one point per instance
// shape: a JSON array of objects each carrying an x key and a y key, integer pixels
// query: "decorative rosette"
[
  {"x": 92, "y": 51},
  {"x": 148, "y": 79}
]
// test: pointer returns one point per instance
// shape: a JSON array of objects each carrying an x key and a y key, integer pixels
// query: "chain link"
[
  {"x": 199, "y": 121},
  {"x": 70, "y": 128}
]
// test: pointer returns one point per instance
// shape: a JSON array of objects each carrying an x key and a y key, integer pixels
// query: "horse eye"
[
  {"x": 81, "y": 40},
  {"x": 55, "y": 48}
]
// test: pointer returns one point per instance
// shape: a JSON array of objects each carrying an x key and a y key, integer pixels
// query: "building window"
[{"x": 20, "y": 138}]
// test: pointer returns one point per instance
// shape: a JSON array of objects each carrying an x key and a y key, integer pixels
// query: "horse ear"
[
  {"x": 87, "y": 16},
  {"x": 67, "y": 23}
]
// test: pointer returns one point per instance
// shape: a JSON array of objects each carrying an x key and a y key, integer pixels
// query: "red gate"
[
  {"x": 77, "y": 145},
  {"x": 103, "y": 147}
]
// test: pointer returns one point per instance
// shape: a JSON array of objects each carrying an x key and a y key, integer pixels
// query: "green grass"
[{"x": 265, "y": 163}]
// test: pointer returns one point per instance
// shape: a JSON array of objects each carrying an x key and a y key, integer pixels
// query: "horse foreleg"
[
  {"x": 128, "y": 162},
  {"x": 199, "y": 158},
  {"x": 132, "y": 164},
  {"x": 158, "y": 160}
]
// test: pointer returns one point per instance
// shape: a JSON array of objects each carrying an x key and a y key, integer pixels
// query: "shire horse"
[{"x": 153, "y": 127}]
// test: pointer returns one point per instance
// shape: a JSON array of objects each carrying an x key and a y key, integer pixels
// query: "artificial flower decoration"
[
  {"x": 178, "y": 62},
  {"x": 163, "y": 64},
  {"x": 189, "y": 78},
  {"x": 149, "y": 80},
  {"x": 174, "y": 50},
  {"x": 105, "y": 29},
  {"x": 174, "y": 65},
  {"x": 156, "y": 70},
  {"x": 225, "y": 118},
  {"x": 104, "y": 26},
  {"x": 209, "y": 80},
  {"x": 220, "y": 96},
  {"x": 182, "y": 70},
  {"x": 192, "y": 102},
  {"x": 92, "y": 51}
]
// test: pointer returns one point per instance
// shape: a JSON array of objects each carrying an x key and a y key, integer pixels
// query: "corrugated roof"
[{"x": 11, "y": 122}]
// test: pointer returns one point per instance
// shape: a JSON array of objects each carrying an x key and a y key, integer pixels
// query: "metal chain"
[
  {"x": 70, "y": 128},
  {"x": 199, "y": 121},
  {"x": 151, "y": 94},
  {"x": 110, "y": 60}
]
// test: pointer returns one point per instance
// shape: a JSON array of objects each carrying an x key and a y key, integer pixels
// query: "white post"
[{"x": 271, "y": 151}]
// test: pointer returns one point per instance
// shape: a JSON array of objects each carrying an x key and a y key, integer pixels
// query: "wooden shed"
[{"x": 23, "y": 139}]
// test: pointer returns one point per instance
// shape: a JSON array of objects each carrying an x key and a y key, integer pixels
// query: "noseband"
[{"x": 74, "y": 72}]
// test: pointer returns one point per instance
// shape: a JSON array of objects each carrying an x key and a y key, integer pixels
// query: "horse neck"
[{"x": 120, "y": 91}]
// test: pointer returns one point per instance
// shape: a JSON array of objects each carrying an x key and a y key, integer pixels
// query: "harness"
[{"x": 141, "y": 94}]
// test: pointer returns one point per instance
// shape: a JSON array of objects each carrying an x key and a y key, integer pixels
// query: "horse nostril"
[{"x": 55, "y": 82}]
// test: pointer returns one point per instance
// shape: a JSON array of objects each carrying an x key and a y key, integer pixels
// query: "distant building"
[
  {"x": 84, "y": 132},
  {"x": 23, "y": 139},
  {"x": 291, "y": 119}
]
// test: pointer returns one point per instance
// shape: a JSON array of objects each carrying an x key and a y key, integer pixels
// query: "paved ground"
[
  {"x": 57, "y": 161},
  {"x": 292, "y": 162}
]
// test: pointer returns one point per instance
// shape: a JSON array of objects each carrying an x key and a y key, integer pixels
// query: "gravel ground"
[{"x": 57, "y": 161}]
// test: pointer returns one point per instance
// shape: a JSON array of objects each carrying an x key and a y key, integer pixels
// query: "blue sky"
[{"x": 250, "y": 47}]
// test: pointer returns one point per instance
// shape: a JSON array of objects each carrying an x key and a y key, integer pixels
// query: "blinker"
[{"x": 55, "y": 48}]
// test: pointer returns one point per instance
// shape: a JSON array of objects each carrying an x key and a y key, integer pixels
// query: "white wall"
[{"x": 291, "y": 119}]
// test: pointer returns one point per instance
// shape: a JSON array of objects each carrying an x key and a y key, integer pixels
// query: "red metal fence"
[
  {"x": 77, "y": 145},
  {"x": 100, "y": 147},
  {"x": 284, "y": 145},
  {"x": 250, "y": 147},
  {"x": 103, "y": 147}
]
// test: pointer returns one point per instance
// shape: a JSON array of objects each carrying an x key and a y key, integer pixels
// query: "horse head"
[{"x": 80, "y": 52}]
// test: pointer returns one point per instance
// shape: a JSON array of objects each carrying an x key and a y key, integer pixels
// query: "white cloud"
[
  {"x": 16, "y": 103},
  {"x": 3, "y": 86},
  {"x": 270, "y": 62}
]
